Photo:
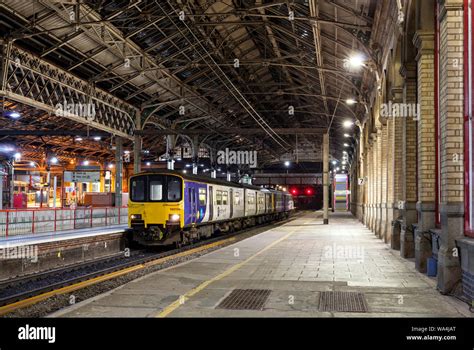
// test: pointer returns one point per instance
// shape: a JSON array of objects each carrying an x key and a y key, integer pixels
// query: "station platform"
[{"x": 284, "y": 272}]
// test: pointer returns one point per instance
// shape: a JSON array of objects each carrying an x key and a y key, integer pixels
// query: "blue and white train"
[{"x": 170, "y": 208}]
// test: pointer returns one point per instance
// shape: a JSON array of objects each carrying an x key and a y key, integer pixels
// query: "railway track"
[{"x": 28, "y": 290}]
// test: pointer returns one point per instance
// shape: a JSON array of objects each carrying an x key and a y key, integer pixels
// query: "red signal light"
[
  {"x": 294, "y": 191},
  {"x": 309, "y": 191}
]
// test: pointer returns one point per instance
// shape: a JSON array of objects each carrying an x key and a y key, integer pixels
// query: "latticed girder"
[{"x": 32, "y": 81}]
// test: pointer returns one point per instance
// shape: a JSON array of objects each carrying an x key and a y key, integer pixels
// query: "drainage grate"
[
  {"x": 342, "y": 302},
  {"x": 245, "y": 299}
]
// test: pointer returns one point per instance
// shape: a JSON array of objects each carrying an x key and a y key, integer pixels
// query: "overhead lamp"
[
  {"x": 148, "y": 163},
  {"x": 32, "y": 164},
  {"x": 15, "y": 115},
  {"x": 355, "y": 61},
  {"x": 348, "y": 123},
  {"x": 111, "y": 166},
  {"x": 78, "y": 139},
  {"x": 86, "y": 163},
  {"x": 351, "y": 101},
  {"x": 347, "y": 135},
  {"x": 334, "y": 162},
  {"x": 53, "y": 160},
  {"x": 346, "y": 145},
  {"x": 17, "y": 156},
  {"x": 287, "y": 163},
  {"x": 97, "y": 138}
]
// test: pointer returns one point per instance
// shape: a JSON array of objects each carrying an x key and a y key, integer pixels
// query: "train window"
[
  {"x": 202, "y": 196},
  {"x": 156, "y": 190},
  {"x": 236, "y": 198},
  {"x": 218, "y": 197},
  {"x": 225, "y": 195},
  {"x": 251, "y": 198},
  {"x": 174, "y": 189},
  {"x": 260, "y": 199},
  {"x": 138, "y": 190}
]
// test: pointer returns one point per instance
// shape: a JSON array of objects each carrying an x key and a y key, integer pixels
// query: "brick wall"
[{"x": 451, "y": 106}]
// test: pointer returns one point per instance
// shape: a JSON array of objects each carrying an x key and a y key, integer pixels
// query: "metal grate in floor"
[
  {"x": 342, "y": 302},
  {"x": 245, "y": 299}
]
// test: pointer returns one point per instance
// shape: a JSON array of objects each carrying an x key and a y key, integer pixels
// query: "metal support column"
[
  {"x": 325, "y": 178},
  {"x": 118, "y": 171},
  {"x": 137, "y": 145}
]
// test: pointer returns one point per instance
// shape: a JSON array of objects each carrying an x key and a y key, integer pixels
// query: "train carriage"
[{"x": 167, "y": 207}]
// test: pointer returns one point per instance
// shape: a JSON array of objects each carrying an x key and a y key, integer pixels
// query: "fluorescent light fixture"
[
  {"x": 351, "y": 101},
  {"x": 356, "y": 61},
  {"x": 348, "y": 123}
]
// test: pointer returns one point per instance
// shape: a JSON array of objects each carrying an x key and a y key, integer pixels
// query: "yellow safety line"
[
  {"x": 33, "y": 300},
  {"x": 175, "y": 305}
]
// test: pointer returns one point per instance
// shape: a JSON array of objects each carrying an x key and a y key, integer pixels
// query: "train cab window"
[
  {"x": 225, "y": 196},
  {"x": 138, "y": 190},
  {"x": 218, "y": 197},
  {"x": 174, "y": 189},
  {"x": 202, "y": 196},
  {"x": 156, "y": 189},
  {"x": 236, "y": 198},
  {"x": 260, "y": 200}
]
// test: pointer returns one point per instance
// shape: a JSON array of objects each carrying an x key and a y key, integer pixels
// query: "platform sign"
[{"x": 82, "y": 176}]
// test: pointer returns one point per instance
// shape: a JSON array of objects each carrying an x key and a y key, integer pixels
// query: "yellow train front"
[{"x": 155, "y": 208}]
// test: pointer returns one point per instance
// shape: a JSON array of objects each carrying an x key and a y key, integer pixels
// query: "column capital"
[{"x": 424, "y": 41}]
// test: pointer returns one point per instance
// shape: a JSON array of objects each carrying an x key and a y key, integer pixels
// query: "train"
[{"x": 167, "y": 207}]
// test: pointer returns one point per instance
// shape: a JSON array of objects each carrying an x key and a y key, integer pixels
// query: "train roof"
[{"x": 201, "y": 178}]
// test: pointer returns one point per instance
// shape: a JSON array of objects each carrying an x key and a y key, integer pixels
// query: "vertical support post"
[
  {"x": 137, "y": 145},
  {"x": 55, "y": 187},
  {"x": 12, "y": 186},
  {"x": 170, "y": 143},
  {"x": 229, "y": 176},
  {"x": 213, "y": 173},
  {"x": 325, "y": 178},
  {"x": 118, "y": 171}
]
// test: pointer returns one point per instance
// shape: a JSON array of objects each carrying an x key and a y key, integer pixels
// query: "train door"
[
  {"x": 256, "y": 202},
  {"x": 211, "y": 203},
  {"x": 231, "y": 200},
  {"x": 192, "y": 204}
]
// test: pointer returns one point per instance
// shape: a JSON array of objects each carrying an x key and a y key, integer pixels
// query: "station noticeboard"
[{"x": 82, "y": 176}]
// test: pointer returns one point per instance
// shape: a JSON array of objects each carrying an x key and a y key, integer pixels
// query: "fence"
[{"x": 30, "y": 221}]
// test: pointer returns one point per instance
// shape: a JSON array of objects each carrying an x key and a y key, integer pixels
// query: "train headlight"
[
  {"x": 174, "y": 217},
  {"x": 136, "y": 216}
]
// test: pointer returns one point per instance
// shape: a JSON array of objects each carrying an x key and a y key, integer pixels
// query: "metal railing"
[{"x": 15, "y": 222}]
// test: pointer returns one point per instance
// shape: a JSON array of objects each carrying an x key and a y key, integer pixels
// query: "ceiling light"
[
  {"x": 287, "y": 163},
  {"x": 86, "y": 162},
  {"x": 96, "y": 138},
  {"x": 347, "y": 135},
  {"x": 351, "y": 101},
  {"x": 17, "y": 156},
  {"x": 346, "y": 145},
  {"x": 355, "y": 61},
  {"x": 334, "y": 162},
  {"x": 78, "y": 139},
  {"x": 348, "y": 123},
  {"x": 111, "y": 166},
  {"x": 32, "y": 164},
  {"x": 54, "y": 160},
  {"x": 15, "y": 115},
  {"x": 148, "y": 163}
]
